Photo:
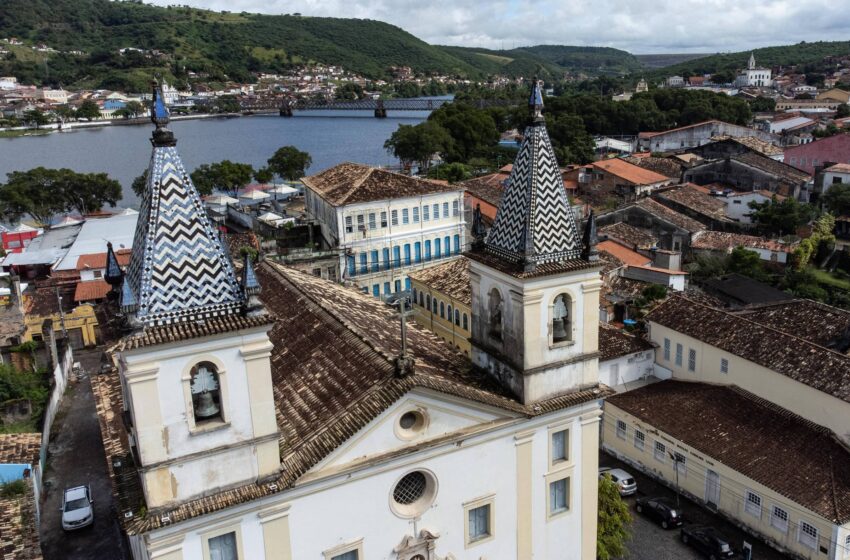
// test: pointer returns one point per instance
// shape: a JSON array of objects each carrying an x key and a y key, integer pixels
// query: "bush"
[{"x": 13, "y": 489}]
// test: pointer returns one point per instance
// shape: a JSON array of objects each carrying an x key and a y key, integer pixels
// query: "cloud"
[{"x": 639, "y": 27}]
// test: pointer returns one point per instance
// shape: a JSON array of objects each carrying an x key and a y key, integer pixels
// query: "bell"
[
  {"x": 206, "y": 406},
  {"x": 558, "y": 330}
]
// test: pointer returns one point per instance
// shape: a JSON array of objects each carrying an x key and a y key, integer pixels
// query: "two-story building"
[{"x": 385, "y": 224}]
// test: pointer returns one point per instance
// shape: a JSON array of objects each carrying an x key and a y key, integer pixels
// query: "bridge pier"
[
  {"x": 380, "y": 110},
  {"x": 286, "y": 110}
]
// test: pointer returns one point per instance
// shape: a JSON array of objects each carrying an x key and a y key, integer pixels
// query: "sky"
[{"x": 638, "y": 26}]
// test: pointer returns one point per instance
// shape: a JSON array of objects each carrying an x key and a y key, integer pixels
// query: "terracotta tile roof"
[
  {"x": 629, "y": 172},
  {"x": 614, "y": 342},
  {"x": 669, "y": 167},
  {"x": 185, "y": 331},
  {"x": 750, "y": 435},
  {"x": 623, "y": 288},
  {"x": 91, "y": 290},
  {"x": 623, "y": 254},
  {"x": 20, "y": 449},
  {"x": 18, "y": 530},
  {"x": 784, "y": 353},
  {"x": 488, "y": 188},
  {"x": 94, "y": 261},
  {"x": 816, "y": 322},
  {"x": 671, "y": 216},
  {"x": 753, "y": 143},
  {"x": 697, "y": 200},
  {"x": 517, "y": 270},
  {"x": 773, "y": 167},
  {"x": 451, "y": 278},
  {"x": 839, "y": 167},
  {"x": 656, "y": 133},
  {"x": 349, "y": 183},
  {"x": 625, "y": 234},
  {"x": 331, "y": 375},
  {"x": 726, "y": 241}
]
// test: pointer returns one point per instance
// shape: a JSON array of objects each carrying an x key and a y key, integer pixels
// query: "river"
[{"x": 330, "y": 137}]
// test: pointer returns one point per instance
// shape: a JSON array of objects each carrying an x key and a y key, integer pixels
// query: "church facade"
[
  {"x": 261, "y": 413},
  {"x": 754, "y": 76}
]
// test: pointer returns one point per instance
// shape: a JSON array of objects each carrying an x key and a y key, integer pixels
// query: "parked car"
[
  {"x": 624, "y": 481},
  {"x": 708, "y": 541},
  {"x": 662, "y": 510},
  {"x": 77, "y": 510}
]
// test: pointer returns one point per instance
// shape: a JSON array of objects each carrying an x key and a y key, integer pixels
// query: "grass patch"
[
  {"x": 13, "y": 489},
  {"x": 19, "y": 133},
  {"x": 824, "y": 277},
  {"x": 496, "y": 58}
]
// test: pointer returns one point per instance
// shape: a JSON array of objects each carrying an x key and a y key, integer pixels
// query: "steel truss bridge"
[{"x": 287, "y": 106}]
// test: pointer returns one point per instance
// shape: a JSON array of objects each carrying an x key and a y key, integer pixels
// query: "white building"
[
  {"x": 385, "y": 224},
  {"x": 838, "y": 174},
  {"x": 754, "y": 76},
  {"x": 738, "y": 203},
  {"x": 319, "y": 430}
]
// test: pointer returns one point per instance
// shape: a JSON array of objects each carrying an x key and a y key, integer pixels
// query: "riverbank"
[{"x": 16, "y": 133}]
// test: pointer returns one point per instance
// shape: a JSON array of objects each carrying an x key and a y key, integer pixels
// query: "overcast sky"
[{"x": 638, "y": 26}]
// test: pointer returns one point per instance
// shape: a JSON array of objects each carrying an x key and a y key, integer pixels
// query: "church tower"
[
  {"x": 751, "y": 65},
  {"x": 535, "y": 281},
  {"x": 195, "y": 370}
]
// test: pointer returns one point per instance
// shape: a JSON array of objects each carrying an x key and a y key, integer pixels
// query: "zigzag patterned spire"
[
  {"x": 179, "y": 270},
  {"x": 535, "y": 223}
]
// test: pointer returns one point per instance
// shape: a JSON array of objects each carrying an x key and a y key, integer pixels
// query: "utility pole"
[
  {"x": 676, "y": 461},
  {"x": 61, "y": 313}
]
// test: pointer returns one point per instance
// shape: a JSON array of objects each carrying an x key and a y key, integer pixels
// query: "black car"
[
  {"x": 662, "y": 510},
  {"x": 708, "y": 541}
]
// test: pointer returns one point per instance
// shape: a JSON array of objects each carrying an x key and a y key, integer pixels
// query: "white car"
[
  {"x": 624, "y": 481},
  {"x": 77, "y": 510}
]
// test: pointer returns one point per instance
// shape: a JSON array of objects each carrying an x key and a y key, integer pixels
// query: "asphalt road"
[
  {"x": 650, "y": 542},
  {"x": 75, "y": 457}
]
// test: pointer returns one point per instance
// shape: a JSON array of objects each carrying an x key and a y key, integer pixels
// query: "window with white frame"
[
  {"x": 415, "y": 214},
  {"x": 692, "y": 359},
  {"x": 559, "y": 496},
  {"x": 445, "y": 209},
  {"x": 752, "y": 503},
  {"x": 436, "y": 209},
  {"x": 405, "y": 216},
  {"x": 808, "y": 535},
  {"x": 383, "y": 219},
  {"x": 679, "y": 352},
  {"x": 394, "y": 216},
  {"x": 223, "y": 547},
  {"x": 724, "y": 365},
  {"x": 779, "y": 519},
  {"x": 666, "y": 349},
  {"x": 349, "y": 225},
  {"x": 560, "y": 446},
  {"x": 660, "y": 451},
  {"x": 455, "y": 208},
  {"x": 681, "y": 464},
  {"x": 373, "y": 224},
  {"x": 621, "y": 429},
  {"x": 479, "y": 524},
  {"x": 350, "y": 555},
  {"x": 847, "y": 546},
  {"x": 640, "y": 439},
  {"x": 425, "y": 213}
]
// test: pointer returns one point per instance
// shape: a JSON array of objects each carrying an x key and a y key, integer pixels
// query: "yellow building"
[
  {"x": 80, "y": 322},
  {"x": 441, "y": 301}
]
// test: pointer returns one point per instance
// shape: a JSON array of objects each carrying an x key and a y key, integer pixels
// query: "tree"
[
  {"x": 88, "y": 192},
  {"x": 843, "y": 111},
  {"x": 36, "y": 118},
  {"x": 224, "y": 176},
  {"x": 613, "y": 521},
  {"x": 471, "y": 130},
  {"x": 135, "y": 108},
  {"x": 37, "y": 192},
  {"x": 88, "y": 110},
  {"x": 349, "y": 91},
  {"x": 263, "y": 175},
  {"x": 418, "y": 143},
  {"x": 140, "y": 183},
  {"x": 781, "y": 218},
  {"x": 123, "y": 113},
  {"x": 289, "y": 163},
  {"x": 837, "y": 199},
  {"x": 747, "y": 263},
  {"x": 451, "y": 172},
  {"x": 227, "y": 104}
]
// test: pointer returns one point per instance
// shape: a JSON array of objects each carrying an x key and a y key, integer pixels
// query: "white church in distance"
[
  {"x": 266, "y": 414},
  {"x": 754, "y": 76}
]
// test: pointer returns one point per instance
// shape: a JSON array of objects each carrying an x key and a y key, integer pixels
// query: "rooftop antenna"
[{"x": 404, "y": 363}]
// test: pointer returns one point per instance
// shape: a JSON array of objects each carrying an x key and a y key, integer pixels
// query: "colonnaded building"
[{"x": 260, "y": 413}]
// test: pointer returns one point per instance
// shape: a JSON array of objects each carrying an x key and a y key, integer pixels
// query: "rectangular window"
[
  {"x": 640, "y": 439},
  {"x": 223, "y": 547},
  {"x": 350, "y": 555},
  {"x": 456, "y": 208},
  {"x": 560, "y": 446},
  {"x": 752, "y": 503},
  {"x": 559, "y": 496},
  {"x": 621, "y": 429},
  {"x": 479, "y": 523},
  {"x": 724, "y": 365},
  {"x": 98, "y": 274},
  {"x": 679, "y": 352},
  {"x": 436, "y": 209},
  {"x": 394, "y": 215},
  {"x": 415, "y": 214},
  {"x": 681, "y": 464},
  {"x": 666, "y": 349},
  {"x": 779, "y": 519},
  {"x": 363, "y": 263},
  {"x": 405, "y": 216},
  {"x": 360, "y": 225},
  {"x": 373, "y": 224},
  {"x": 808, "y": 535},
  {"x": 692, "y": 359},
  {"x": 383, "y": 219},
  {"x": 349, "y": 225},
  {"x": 425, "y": 215},
  {"x": 445, "y": 209},
  {"x": 660, "y": 451}
]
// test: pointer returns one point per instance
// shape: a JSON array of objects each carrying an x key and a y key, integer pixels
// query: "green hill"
[{"x": 590, "y": 60}]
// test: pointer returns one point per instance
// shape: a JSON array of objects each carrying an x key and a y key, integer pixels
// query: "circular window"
[
  {"x": 410, "y": 424},
  {"x": 413, "y": 494}
]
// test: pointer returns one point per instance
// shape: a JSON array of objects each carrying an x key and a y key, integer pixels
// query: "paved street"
[
  {"x": 75, "y": 457},
  {"x": 650, "y": 542}
]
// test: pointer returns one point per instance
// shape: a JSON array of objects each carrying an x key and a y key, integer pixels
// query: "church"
[
  {"x": 754, "y": 76},
  {"x": 250, "y": 411}
]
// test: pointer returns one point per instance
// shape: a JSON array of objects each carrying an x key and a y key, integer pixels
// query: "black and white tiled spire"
[
  {"x": 535, "y": 224},
  {"x": 179, "y": 270}
]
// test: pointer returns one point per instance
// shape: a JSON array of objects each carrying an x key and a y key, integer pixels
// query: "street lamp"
[{"x": 676, "y": 458}]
